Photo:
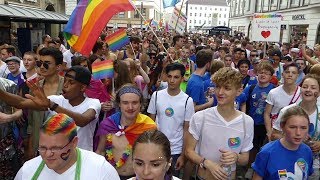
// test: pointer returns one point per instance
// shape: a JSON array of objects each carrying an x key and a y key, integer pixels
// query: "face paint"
[{"x": 65, "y": 156}]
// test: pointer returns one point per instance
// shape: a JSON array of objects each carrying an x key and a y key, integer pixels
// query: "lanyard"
[
  {"x": 317, "y": 119},
  {"x": 78, "y": 168}
]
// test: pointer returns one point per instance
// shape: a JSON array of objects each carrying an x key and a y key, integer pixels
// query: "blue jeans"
[{"x": 175, "y": 157}]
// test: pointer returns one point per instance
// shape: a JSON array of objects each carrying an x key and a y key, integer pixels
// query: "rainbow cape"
[
  {"x": 111, "y": 125},
  {"x": 117, "y": 40},
  {"x": 102, "y": 69},
  {"x": 88, "y": 20}
]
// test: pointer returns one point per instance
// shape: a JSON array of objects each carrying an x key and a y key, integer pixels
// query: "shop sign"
[{"x": 298, "y": 17}]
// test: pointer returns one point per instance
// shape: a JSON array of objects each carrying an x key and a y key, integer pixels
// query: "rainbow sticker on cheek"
[
  {"x": 234, "y": 142},
  {"x": 169, "y": 112}
]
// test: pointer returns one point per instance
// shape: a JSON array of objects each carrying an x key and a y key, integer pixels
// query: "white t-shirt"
[
  {"x": 171, "y": 115},
  {"x": 173, "y": 178},
  {"x": 278, "y": 98},
  {"x": 93, "y": 166},
  {"x": 85, "y": 134},
  {"x": 312, "y": 117},
  {"x": 216, "y": 133},
  {"x": 67, "y": 58}
]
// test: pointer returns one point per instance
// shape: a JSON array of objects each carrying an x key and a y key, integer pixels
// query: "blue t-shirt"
[
  {"x": 195, "y": 89},
  {"x": 249, "y": 80},
  {"x": 274, "y": 161},
  {"x": 206, "y": 76},
  {"x": 18, "y": 80},
  {"x": 239, "y": 100},
  {"x": 257, "y": 102}
]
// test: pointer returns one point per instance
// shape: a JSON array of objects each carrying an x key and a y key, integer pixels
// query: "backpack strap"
[
  {"x": 155, "y": 102},
  {"x": 249, "y": 98}
]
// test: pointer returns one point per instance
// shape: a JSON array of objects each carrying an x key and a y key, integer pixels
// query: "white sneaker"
[{"x": 249, "y": 174}]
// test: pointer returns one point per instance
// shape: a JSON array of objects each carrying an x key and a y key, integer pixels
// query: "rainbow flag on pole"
[
  {"x": 88, "y": 20},
  {"x": 102, "y": 69},
  {"x": 117, "y": 40}
]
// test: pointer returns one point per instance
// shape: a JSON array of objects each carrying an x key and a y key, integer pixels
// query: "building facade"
[
  {"x": 24, "y": 22},
  {"x": 207, "y": 13},
  {"x": 300, "y": 18},
  {"x": 132, "y": 19}
]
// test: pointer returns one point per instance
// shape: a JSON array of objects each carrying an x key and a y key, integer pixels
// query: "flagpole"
[
  {"x": 133, "y": 51},
  {"x": 153, "y": 32},
  {"x": 179, "y": 15}
]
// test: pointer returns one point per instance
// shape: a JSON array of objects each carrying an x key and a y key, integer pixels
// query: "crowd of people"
[{"x": 178, "y": 107}]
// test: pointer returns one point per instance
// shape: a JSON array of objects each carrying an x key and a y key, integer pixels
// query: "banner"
[
  {"x": 181, "y": 24},
  {"x": 266, "y": 27}
]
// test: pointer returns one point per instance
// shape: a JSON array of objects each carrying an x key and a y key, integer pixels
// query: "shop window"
[
  {"x": 299, "y": 33},
  {"x": 143, "y": 12}
]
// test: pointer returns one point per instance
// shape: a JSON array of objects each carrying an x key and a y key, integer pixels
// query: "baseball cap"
[
  {"x": 276, "y": 52},
  {"x": 287, "y": 58},
  {"x": 295, "y": 50},
  {"x": 83, "y": 75},
  {"x": 13, "y": 58},
  {"x": 256, "y": 60}
]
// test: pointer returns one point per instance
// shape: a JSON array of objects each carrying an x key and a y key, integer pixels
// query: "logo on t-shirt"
[
  {"x": 234, "y": 142},
  {"x": 169, "y": 112},
  {"x": 282, "y": 174}
]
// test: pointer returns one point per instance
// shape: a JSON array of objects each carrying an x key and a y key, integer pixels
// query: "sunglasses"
[{"x": 45, "y": 64}]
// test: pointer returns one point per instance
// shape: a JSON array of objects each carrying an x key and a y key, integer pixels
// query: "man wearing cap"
[
  {"x": 61, "y": 159},
  {"x": 7, "y": 51},
  {"x": 13, "y": 64},
  {"x": 72, "y": 102},
  {"x": 275, "y": 58},
  {"x": 294, "y": 53}
]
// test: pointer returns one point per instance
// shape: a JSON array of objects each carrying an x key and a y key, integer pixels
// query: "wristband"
[
  {"x": 54, "y": 106},
  {"x": 202, "y": 163}
]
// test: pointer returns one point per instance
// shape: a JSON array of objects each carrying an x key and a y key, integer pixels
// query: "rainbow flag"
[
  {"x": 102, "y": 69},
  {"x": 88, "y": 20},
  {"x": 117, "y": 40}
]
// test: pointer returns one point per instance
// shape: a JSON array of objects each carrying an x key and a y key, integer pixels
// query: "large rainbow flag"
[
  {"x": 102, "y": 69},
  {"x": 88, "y": 20},
  {"x": 117, "y": 40}
]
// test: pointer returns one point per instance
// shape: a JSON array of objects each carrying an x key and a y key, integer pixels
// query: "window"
[
  {"x": 190, "y": 7},
  {"x": 283, "y": 4},
  {"x": 215, "y": 9},
  {"x": 205, "y": 15},
  {"x": 225, "y": 9},
  {"x": 220, "y": 9},
  {"x": 265, "y": 7},
  {"x": 225, "y": 15},
  {"x": 210, "y": 9},
  {"x": 200, "y": 15},
  {"x": 205, "y": 8},
  {"x": 209, "y": 15},
  {"x": 190, "y": 14},
  {"x": 205, "y": 21},
  {"x": 195, "y": 14},
  {"x": 195, "y": 8},
  {"x": 121, "y": 15},
  {"x": 294, "y": 3},
  {"x": 195, "y": 21},
  {"x": 199, "y": 21},
  {"x": 209, "y": 22},
  {"x": 219, "y": 22},
  {"x": 274, "y": 5},
  {"x": 143, "y": 12},
  {"x": 200, "y": 8},
  {"x": 190, "y": 21},
  {"x": 258, "y": 5},
  {"x": 219, "y": 16}
]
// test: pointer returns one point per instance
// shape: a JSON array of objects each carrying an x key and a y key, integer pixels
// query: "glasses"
[
  {"x": 12, "y": 64},
  {"x": 264, "y": 73},
  {"x": 53, "y": 150},
  {"x": 44, "y": 63},
  {"x": 254, "y": 55}
]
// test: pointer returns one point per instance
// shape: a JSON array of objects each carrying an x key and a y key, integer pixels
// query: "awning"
[{"x": 20, "y": 13}]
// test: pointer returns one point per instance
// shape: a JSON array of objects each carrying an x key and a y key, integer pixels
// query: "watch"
[
  {"x": 202, "y": 163},
  {"x": 54, "y": 106}
]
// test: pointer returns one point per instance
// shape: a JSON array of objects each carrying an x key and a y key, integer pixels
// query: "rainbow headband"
[{"x": 59, "y": 123}]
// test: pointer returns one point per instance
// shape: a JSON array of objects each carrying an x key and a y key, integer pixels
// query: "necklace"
[
  {"x": 109, "y": 154},
  {"x": 78, "y": 168}
]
